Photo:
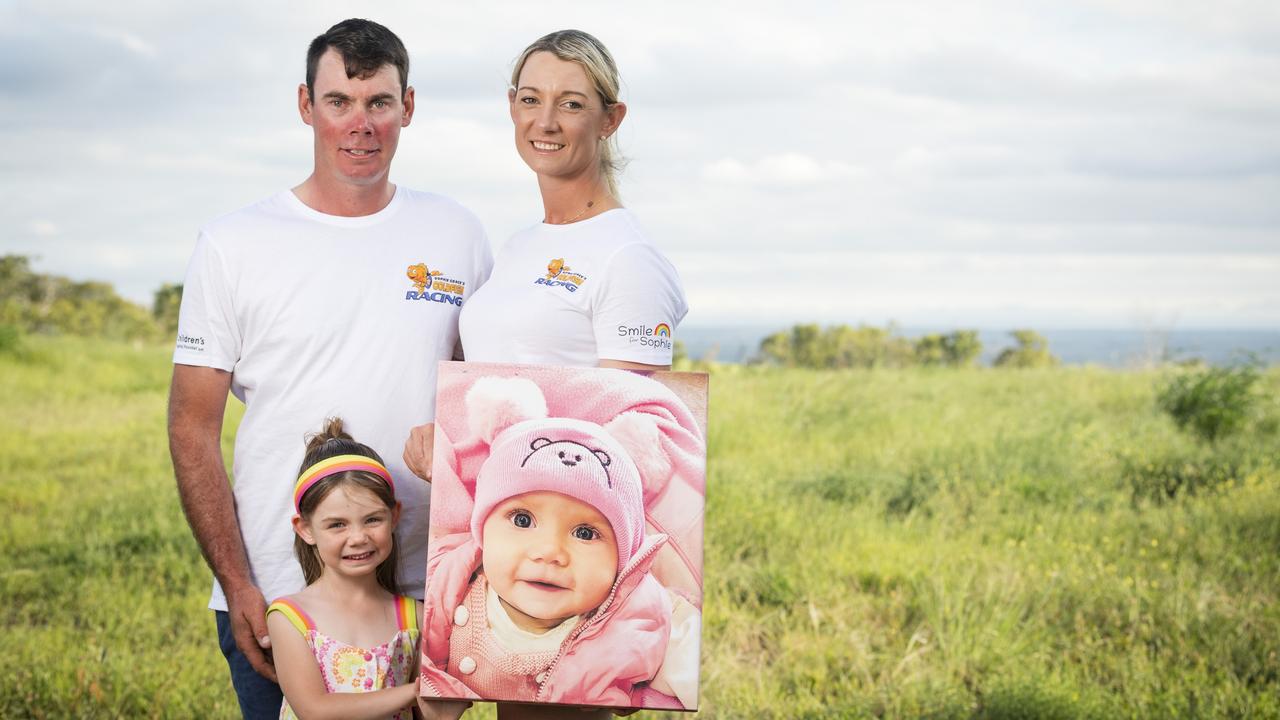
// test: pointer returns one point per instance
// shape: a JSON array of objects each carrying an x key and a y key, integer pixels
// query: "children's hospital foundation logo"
[
  {"x": 656, "y": 336},
  {"x": 559, "y": 275},
  {"x": 431, "y": 286}
]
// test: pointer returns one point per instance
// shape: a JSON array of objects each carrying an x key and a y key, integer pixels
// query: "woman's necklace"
[{"x": 590, "y": 204}]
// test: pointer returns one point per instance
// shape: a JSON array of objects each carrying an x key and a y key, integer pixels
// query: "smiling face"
[
  {"x": 356, "y": 121},
  {"x": 351, "y": 528},
  {"x": 560, "y": 119},
  {"x": 548, "y": 557}
]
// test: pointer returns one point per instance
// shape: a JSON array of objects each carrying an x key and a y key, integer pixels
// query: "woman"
[{"x": 585, "y": 286}]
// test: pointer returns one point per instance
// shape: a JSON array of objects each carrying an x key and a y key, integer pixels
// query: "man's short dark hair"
[{"x": 365, "y": 46}]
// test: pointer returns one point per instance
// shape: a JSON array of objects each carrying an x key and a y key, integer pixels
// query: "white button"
[
  {"x": 461, "y": 615},
  {"x": 467, "y": 665}
]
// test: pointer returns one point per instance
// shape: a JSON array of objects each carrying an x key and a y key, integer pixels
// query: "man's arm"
[{"x": 197, "y": 400}]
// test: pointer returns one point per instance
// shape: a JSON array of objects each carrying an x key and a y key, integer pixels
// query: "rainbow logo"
[{"x": 662, "y": 330}]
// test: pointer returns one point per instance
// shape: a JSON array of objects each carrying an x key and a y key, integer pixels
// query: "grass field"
[{"x": 949, "y": 543}]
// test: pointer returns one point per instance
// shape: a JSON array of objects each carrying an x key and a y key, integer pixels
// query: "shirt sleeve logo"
[
  {"x": 651, "y": 336},
  {"x": 560, "y": 275},
  {"x": 433, "y": 286},
  {"x": 187, "y": 342}
]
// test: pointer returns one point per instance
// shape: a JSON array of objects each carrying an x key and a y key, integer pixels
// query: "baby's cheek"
[{"x": 602, "y": 577}]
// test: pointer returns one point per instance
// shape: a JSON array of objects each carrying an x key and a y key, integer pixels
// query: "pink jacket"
[{"x": 607, "y": 660}]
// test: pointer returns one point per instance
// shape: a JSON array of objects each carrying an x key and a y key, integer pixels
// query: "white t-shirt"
[
  {"x": 576, "y": 294},
  {"x": 315, "y": 316}
]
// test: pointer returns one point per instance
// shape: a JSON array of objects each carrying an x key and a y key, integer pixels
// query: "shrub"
[
  {"x": 1165, "y": 478},
  {"x": 10, "y": 340},
  {"x": 1211, "y": 402},
  {"x": 954, "y": 349},
  {"x": 1032, "y": 351}
]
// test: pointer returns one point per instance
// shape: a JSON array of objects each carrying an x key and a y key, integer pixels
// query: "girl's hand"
[
  {"x": 442, "y": 709},
  {"x": 417, "y": 450}
]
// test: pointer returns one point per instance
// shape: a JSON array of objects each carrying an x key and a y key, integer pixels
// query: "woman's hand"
[{"x": 417, "y": 450}]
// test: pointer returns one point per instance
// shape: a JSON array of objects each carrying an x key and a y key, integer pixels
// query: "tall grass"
[
  {"x": 915, "y": 543},
  {"x": 103, "y": 589}
]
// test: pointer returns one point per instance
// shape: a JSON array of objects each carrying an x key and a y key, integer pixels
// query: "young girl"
[
  {"x": 549, "y": 598},
  {"x": 347, "y": 631}
]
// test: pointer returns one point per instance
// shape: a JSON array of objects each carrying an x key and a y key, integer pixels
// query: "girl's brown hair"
[{"x": 332, "y": 441}]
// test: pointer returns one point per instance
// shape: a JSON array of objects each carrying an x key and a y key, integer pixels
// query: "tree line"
[
  {"x": 38, "y": 303},
  {"x": 841, "y": 346}
]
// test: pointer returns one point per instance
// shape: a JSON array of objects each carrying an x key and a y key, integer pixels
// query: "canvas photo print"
[{"x": 565, "y": 558}]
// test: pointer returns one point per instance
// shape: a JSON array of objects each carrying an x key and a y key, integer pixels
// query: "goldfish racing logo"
[
  {"x": 656, "y": 336},
  {"x": 432, "y": 286},
  {"x": 560, "y": 275}
]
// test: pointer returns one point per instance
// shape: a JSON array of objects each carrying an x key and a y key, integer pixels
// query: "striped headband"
[{"x": 333, "y": 466}]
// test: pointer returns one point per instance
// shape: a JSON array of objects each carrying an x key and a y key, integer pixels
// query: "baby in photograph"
[{"x": 550, "y": 597}]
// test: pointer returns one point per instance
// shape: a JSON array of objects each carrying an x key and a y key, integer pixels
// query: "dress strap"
[
  {"x": 294, "y": 613},
  {"x": 406, "y": 613}
]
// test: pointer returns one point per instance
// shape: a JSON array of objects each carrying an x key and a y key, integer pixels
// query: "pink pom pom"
[{"x": 495, "y": 404}]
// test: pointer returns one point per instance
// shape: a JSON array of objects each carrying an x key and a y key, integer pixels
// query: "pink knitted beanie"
[{"x": 572, "y": 457}]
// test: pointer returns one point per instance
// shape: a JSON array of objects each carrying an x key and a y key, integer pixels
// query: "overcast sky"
[{"x": 975, "y": 164}]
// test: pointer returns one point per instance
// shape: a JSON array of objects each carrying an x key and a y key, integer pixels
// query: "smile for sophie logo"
[
  {"x": 657, "y": 336},
  {"x": 560, "y": 275},
  {"x": 443, "y": 289}
]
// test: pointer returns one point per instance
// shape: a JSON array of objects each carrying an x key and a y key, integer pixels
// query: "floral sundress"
[{"x": 347, "y": 668}]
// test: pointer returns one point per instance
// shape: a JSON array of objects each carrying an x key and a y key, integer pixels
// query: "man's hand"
[
  {"x": 247, "y": 610},
  {"x": 442, "y": 709},
  {"x": 417, "y": 450}
]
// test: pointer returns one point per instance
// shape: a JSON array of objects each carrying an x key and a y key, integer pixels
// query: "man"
[{"x": 335, "y": 298}]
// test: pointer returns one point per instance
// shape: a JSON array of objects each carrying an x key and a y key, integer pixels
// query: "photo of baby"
[{"x": 565, "y": 559}]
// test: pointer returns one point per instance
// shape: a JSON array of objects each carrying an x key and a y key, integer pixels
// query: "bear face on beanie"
[{"x": 576, "y": 458}]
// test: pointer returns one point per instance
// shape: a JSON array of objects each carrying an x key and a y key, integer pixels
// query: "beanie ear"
[
  {"x": 638, "y": 434},
  {"x": 495, "y": 404}
]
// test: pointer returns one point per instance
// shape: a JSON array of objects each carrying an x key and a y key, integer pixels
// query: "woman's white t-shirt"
[{"x": 576, "y": 294}]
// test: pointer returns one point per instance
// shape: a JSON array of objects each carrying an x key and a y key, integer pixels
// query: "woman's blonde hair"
[{"x": 584, "y": 49}]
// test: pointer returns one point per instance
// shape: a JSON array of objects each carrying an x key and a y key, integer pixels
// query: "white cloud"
[
  {"x": 787, "y": 169},
  {"x": 42, "y": 228},
  {"x": 129, "y": 41},
  {"x": 938, "y": 288}
]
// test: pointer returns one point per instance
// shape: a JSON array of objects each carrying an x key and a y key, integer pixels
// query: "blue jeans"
[{"x": 259, "y": 697}]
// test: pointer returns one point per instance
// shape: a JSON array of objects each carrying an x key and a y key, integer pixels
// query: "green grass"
[{"x": 923, "y": 543}]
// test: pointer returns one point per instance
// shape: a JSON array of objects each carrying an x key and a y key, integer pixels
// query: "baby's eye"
[
  {"x": 585, "y": 532},
  {"x": 521, "y": 519}
]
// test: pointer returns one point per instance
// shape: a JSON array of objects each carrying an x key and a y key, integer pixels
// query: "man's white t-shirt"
[
  {"x": 315, "y": 316},
  {"x": 576, "y": 294}
]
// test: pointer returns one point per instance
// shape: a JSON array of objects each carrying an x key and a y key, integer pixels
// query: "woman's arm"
[
  {"x": 625, "y": 365},
  {"x": 304, "y": 687}
]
